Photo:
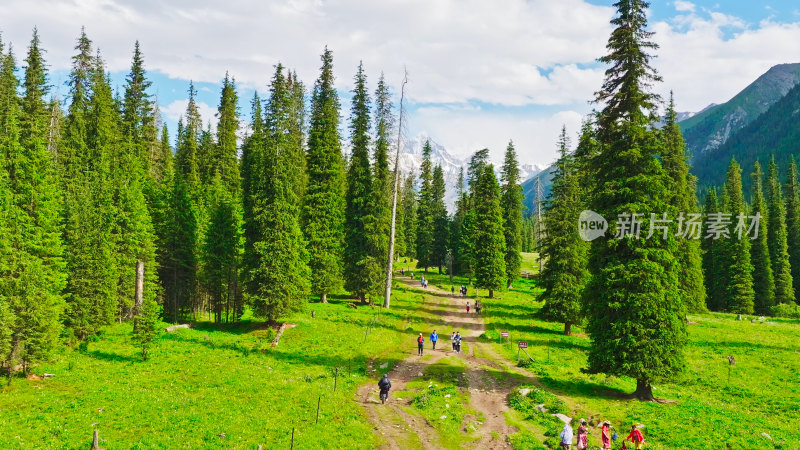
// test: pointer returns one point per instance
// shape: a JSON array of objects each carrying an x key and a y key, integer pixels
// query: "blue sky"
[{"x": 481, "y": 73}]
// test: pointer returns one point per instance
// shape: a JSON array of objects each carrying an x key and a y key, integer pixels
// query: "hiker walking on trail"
[
  {"x": 453, "y": 340},
  {"x": 583, "y": 436},
  {"x": 420, "y": 344},
  {"x": 457, "y": 341},
  {"x": 434, "y": 338},
  {"x": 478, "y": 307},
  {"x": 452, "y": 290},
  {"x": 636, "y": 437},
  {"x": 605, "y": 434},
  {"x": 467, "y": 306},
  {"x": 566, "y": 437},
  {"x": 384, "y": 385}
]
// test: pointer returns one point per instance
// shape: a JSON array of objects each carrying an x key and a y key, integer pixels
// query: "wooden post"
[
  {"x": 95, "y": 440},
  {"x": 139, "y": 289},
  {"x": 292, "y": 438},
  {"x": 319, "y": 400},
  {"x": 335, "y": 378}
]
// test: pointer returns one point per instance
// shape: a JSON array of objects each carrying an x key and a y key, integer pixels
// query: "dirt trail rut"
[{"x": 488, "y": 395}]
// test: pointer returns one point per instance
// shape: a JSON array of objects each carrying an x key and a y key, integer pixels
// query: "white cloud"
[
  {"x": 177, "y": 109},
  {"x": 463, "y": 132},
  {"x": 711, "y": 58},
  {"x": 681, "y": 5},
  {"x": 455, "y": 50}
]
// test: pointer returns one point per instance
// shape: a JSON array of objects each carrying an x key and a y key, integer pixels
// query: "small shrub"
[{"x": 787, "y": 310}]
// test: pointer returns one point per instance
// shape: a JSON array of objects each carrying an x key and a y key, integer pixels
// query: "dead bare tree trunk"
[
  {"x": 95, "y": 440},
  {"x": 139, "y": 290},
  {"x": 390, "y": 256}
]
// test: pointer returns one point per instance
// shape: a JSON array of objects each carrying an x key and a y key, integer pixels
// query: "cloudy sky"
[{"x": 481, "y": 72}]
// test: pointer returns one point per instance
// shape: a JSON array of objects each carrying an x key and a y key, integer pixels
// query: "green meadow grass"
[
  {"x": 762, "y": 395},
  {"x": 217, "y": 386}
]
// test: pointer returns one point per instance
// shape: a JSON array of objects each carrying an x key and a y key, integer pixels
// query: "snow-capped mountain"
[{"x": 411, "y": 160}]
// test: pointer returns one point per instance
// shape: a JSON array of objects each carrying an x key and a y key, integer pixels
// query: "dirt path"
[{"x": 487, "y": 392}]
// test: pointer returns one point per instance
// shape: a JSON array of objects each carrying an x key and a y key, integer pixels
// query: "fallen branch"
[{"x": 284, "y": 327}]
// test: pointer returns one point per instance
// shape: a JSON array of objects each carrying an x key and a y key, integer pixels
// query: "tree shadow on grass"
[{"x": 112, "y": 357}]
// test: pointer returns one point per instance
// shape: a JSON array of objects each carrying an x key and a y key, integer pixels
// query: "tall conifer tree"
[
  {"x": 441, "y": 224},
  {"x": 777, "y": 239},
  {"x": 490, "y": 266},
  {"x": 323, "y": 205},
  {"x": 763, "y": 281},
  {"x": 793, "y": 223},
  {"x": 424, "y": 243},
  {"x": 361, "y": 265},
  {"x": 684, "y": 199},
  {"x": 512, "y": 213},
  {"x": 410, "y": 215},
  {"x": 740, "y": 292},
  {"x": 565, "y": 273},
  {"x": 648, "y": 331}
]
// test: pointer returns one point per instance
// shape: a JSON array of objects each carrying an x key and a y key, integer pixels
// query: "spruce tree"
[
  {"x": 383, "y": 122},
  {"x": 297, "y": 128},
  {"x": 684, "y": 199},
  {"x": 763, "y": 281},
  {"x": 400, "y": 246},
  {"x": 220, "y": 252},
  {"x": 145, "y": 326},
  {"x": 636, "y": 318},
  {"x": 278, "y": 280},
  {"x": 565, "y": 273},
  {"x": 138, "y": 115},
  {"x": 178, "y": 260},
  {"x": 424, "y": 243},
  {"x": 456, "y": 224},
  {"x": 441, "y": 224},
  {"x": 323, "y": 205},
  {"x": 73, "y": 144},
  {"x": 793, "y": 223},
  {"x": 225, "y": 162},
  {"x": 490, "y": 265},
  {"x": 512, "y": 213},
  {"x": 410, "y": 215},
  {"x": 740, "y": 292},
  {"x": 361, "y": 265},
  {"x": 777, "y": 239},
  {"x": 35, "y": 294},
  {"x": 187, "y": 163},
  {"x": 252, "y": 150}
]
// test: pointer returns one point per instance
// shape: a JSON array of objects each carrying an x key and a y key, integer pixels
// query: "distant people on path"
[
  {"x": 420, "y": 344},
  {"x": 605, "y": 434},
  {"x": 434, "y": 338},
  {"x": 636, "y": 437},
  {"x": 384, "y": 385},
  {"x": 453, "y": 340},
  {"x": 566, "y": 437},
  {"x": 452, "y": 290},
  {"x": 457, "y": 341},
  {"x": 478, "y": 307},
  {"x": 402, "y": 271},
  {"x": 583, "y": 436},
  {"x": 467, "y": 306}
]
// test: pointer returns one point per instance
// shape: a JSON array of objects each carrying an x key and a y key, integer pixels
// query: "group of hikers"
[
  {"x": 455, "y": 339},
  {"x": 607, "y": 436}
]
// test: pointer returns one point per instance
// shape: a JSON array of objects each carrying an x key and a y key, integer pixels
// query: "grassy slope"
[
  {"x": 204, "y": 382},
  {"x": 761, "y": 395}
]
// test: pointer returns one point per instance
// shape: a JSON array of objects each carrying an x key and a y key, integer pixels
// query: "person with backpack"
[
  {"x": 384, "y": 385},
  {"x": 566, "y": 437},
  {"x": 453, "y": 340},
  {"x": 457, "y": 341},
  {"x": 636, "y": 437},
  {"x": 434, "y": 338},
  {"x": 467, "y": 306},
  {"x": 420, "y": 344},
  {"x": 478, "y": 307}
]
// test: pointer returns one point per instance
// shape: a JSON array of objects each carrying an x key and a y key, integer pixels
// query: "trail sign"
[
  {"x": 504, "y": 334},
  {"x": 522, "y": 344}
]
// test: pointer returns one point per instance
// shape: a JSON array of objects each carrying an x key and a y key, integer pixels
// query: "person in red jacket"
[
  {"x": 420, "y": 344},
  {"x": 636, "y": 437},
  {"x": 605, "y": 434}
]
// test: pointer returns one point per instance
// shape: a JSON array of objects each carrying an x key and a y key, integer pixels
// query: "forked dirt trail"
[{"x": 487, "y": 394}]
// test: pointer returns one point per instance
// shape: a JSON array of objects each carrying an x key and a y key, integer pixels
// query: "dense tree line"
[{"x": 94, "y": 193}]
